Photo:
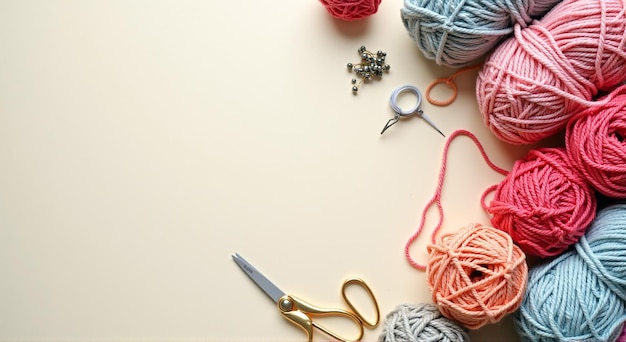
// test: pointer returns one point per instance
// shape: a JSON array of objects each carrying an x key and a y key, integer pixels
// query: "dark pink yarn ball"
[
  {"x": 595, "y": 140},
  {"x": 544, "y": 203},
  {"x": 351, "y": 9}
]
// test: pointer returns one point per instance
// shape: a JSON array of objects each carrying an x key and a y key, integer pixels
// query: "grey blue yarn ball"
[
  {"x": 580, "y": 295},
  {"x": 456, "y": 33},
  {"x": 423, "y": 323}
]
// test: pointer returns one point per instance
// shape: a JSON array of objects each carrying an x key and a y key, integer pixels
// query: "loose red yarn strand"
[{"x": 436, "y": 199}]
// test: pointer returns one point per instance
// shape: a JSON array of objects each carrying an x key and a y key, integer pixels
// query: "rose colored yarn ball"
[
  {"x": 351, "y": 9},
  {"x": 535, "y": 81},
  {"x": 543, "y": 203},
  {"x": 595, "y": 143},
  {"x": 476, "y": 276}
]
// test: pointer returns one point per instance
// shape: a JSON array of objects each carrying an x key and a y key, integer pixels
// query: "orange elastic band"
[{"x": 449, "y": 81}]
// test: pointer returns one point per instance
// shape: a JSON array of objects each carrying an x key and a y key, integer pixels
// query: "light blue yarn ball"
[
  {"x": 455, "y": 33},
  {"x": 580, "y": 295}
]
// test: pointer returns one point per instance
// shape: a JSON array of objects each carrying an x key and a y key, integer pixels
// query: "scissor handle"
[
  {"x": 301, "y": 314},
  {"x": 288, "y": 306},
  {"x": 393, "y": 100},
  {"x": 368, "y": 290}
]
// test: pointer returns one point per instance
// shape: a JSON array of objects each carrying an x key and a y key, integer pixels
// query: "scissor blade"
[
  {"x": 267, "y": 286},
  {"x": 431, "y": 123}
]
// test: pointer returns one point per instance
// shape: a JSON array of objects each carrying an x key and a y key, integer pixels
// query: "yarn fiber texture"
[
  {"x": 535, "y": 81},
  {"x": 455, "y": 33},
  {"x": 421, "y": 323},
  {"x": 622, "y": 336},
  {"x": 476, "y": 276},
  {"x": 351, "y": 9},
  {"x": 544, "y": 204},
  {"x": 595, "y": 144},
  {"x": 580, "y": 295}
]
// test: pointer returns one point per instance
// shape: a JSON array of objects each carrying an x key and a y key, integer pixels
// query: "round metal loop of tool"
[{"x": 393, "y": 100}]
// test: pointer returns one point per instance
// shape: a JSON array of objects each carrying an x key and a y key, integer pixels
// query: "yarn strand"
[{"x": 436, "y": 199}]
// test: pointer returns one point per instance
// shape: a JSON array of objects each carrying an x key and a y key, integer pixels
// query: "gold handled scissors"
[{"x": 302, "y": 313}]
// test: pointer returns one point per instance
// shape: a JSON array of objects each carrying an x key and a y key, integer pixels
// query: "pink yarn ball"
[
  {"x": 535, "y": 81},
  {"x": 543, "y": 203},
  {"x": 595, "y": 143},
  {"x": 351, "y": 9}
]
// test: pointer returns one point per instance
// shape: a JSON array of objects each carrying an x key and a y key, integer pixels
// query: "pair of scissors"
[
  {"x": 393, "y": 102},
  {"x": 302, "y": 313}
]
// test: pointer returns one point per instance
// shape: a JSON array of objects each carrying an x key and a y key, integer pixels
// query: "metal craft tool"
[{"x": 393, "y": 101}]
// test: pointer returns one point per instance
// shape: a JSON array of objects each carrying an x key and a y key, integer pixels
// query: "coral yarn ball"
[
  {"x": 596, "y": 144},
  {"x": 544, "y": 204},
  {"x": 535, "y": 81},
  {"x": 351, "y": 9},
  {"x": 476, "y": 276}
]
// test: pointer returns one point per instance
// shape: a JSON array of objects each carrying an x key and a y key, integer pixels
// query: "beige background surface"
[{"x": 144, "y": 142}]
